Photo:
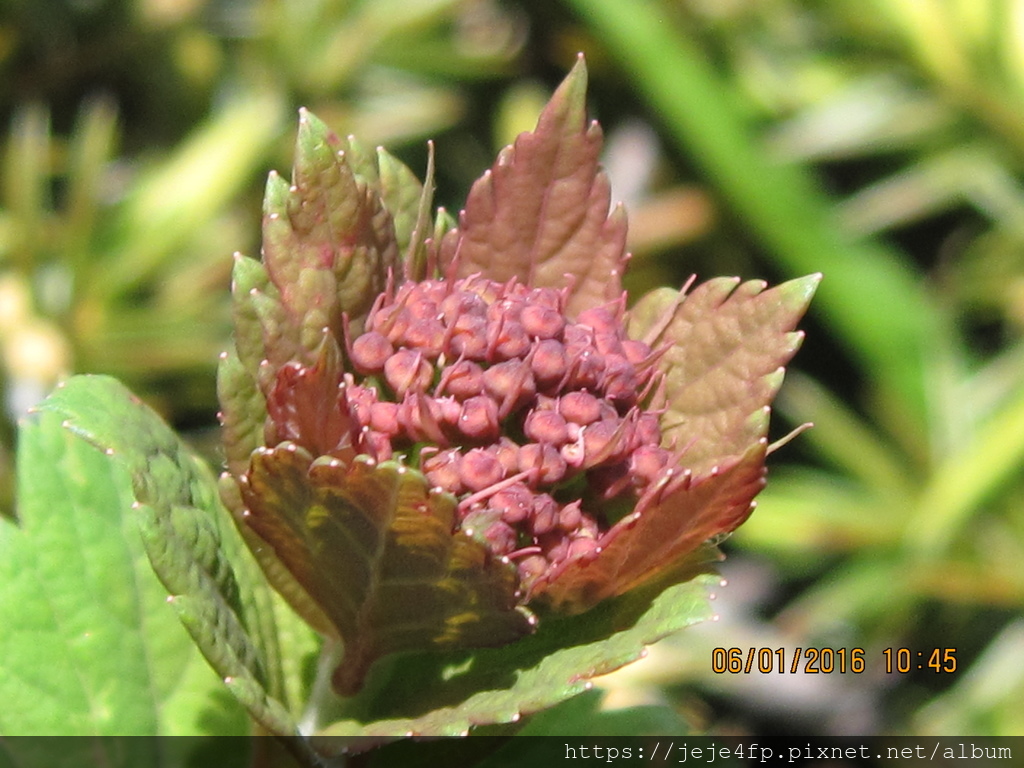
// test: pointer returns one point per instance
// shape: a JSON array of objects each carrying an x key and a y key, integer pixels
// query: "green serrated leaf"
[
  {"x": 243, "y": 411},
  {"x": 328, "y": 241},
  {"x": 541, "y": 211},
  {"x": 726, "y": 344},
  {"x": 446, "y": 695},
  {"x": 217, "y": 589},
  {"x": 88, "y": 645},
  {"x": 374, "y": 548}
]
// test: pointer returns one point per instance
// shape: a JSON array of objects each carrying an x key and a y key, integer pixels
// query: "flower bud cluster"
[{"x": 509, "y": 402}]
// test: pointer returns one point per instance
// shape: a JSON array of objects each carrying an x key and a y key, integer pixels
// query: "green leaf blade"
[
  {"x": 89, "y": 645},
  {"x": 192, "y": 544}
]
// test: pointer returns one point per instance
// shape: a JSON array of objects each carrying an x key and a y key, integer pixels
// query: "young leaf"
[
  {"x": 193, "y": 546},
  {"x": 727, "y": 342},
  {"x": 88, "y": 645},
  {"x": 541, "y": 212},
  {"x": 327, "y": 240},
  {"x": 656, "y": 537},
  {"x": 446, "y": 695},
  {"x": 373, "y": 547}
]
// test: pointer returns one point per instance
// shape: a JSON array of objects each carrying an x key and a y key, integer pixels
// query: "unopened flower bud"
[
  {"x": 479, "y": 468},
  {"x": 478, "y": 419},
  {"x": 544, "y": 463},
  {"x": 542, "y": 322},
  {"x": 384, "y": 418},
  {"x": 579, "y": 407},
  {"x": 515, "y": 503},
  {"x": 506, "y": 339},
  {"x": 370, "y": 351},
  {"x": 549, "y": 362},
  {"x": 603, "y": 441},
  {"x": 545, "y": 515},
  {"x": 647, "y": 462},
  {"x": 406, "y": 371},
  {"x": 486, "y": 525},
  {"x": 635, "y": 351},
  {"x": 511, "y": 384},
  {"x": 469, "y": 337},
  {"x": 546, "y": 427},
  {"x": 442, "y": 470},
  {"x": 425, "y": 335}
]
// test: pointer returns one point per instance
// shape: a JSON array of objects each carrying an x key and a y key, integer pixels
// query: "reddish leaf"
[
  {"x": 726, "y": 344},
  {"x": 659, "y": 535},
  {"x": 541, "y": 212},
  {"x": 374, "y": 549}
]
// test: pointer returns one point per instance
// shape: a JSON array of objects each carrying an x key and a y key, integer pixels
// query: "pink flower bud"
[
  {"x": 601, "y": 319},
  {"x": 479, "y": 468},
  {"x": 542, "y": 322},
  {"x": 586, "y": 367},
  {"x": 360, "y": 402},
  {"x": 608, "y": 343},
  {"x": 579, "y": 407},
  {"x": 508, "y": 454},
  {"x": 422, "y": 308},
  {"x": 570, "y": 516},
  {"x": 582, "y": 546},
  {"x": 511, "y": 384},
  {"x": 635, "y": 351},
  {"x": 426, "y": 335},
  {"x": 545, "y": 515},
  {"x": 506, "y": 339},
  {"x": 532, "y": 568},
  {"x": 442, "y": 470},
  {"x": 406, "y": 370},
  {"x": 460, "y": 303},
  {"x": 486, "y": 525},
  {"x": 420, "y": 416},
  {"x": 370, "y": 351},
  {"x": 549, "y": 362},
  {"x": 479, "y": 418},
  {"x": 546, "y": 427},
  {"x": 603, "y": 441},
  {"x": 462, "y": 380},
  {"x": 619, "y": 380},
  {"x": 544, "y": 463},
  {"x": 384, "y": 418},
  {"x": 375, "y": 444},
  {"x": 515, "y": 503},
  {"x": 647, "y": 429},
  {"x": 391, "y": 322},
  {"x": 646, "y": 463},
  {"x": 469, "y": 337}
]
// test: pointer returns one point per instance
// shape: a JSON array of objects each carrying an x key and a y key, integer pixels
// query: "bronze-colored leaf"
[
  {"x": 374, "y": 548},
  {"x": 665, "y": 529}
]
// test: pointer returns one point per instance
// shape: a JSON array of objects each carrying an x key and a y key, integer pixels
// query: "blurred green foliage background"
[{"x": 880, "y": 142}]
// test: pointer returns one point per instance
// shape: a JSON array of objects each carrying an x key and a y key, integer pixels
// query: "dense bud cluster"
[{"x": 506, "y": 402}]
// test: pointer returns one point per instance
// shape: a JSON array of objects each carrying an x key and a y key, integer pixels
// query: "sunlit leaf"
[
  {"x": 542, "y": 211},
  {"x": 89, "y": 646},
  {"x": 214, "y": 586},
  {"x": 373, "y": 546},
  {"x": 727, "y": 343}
]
